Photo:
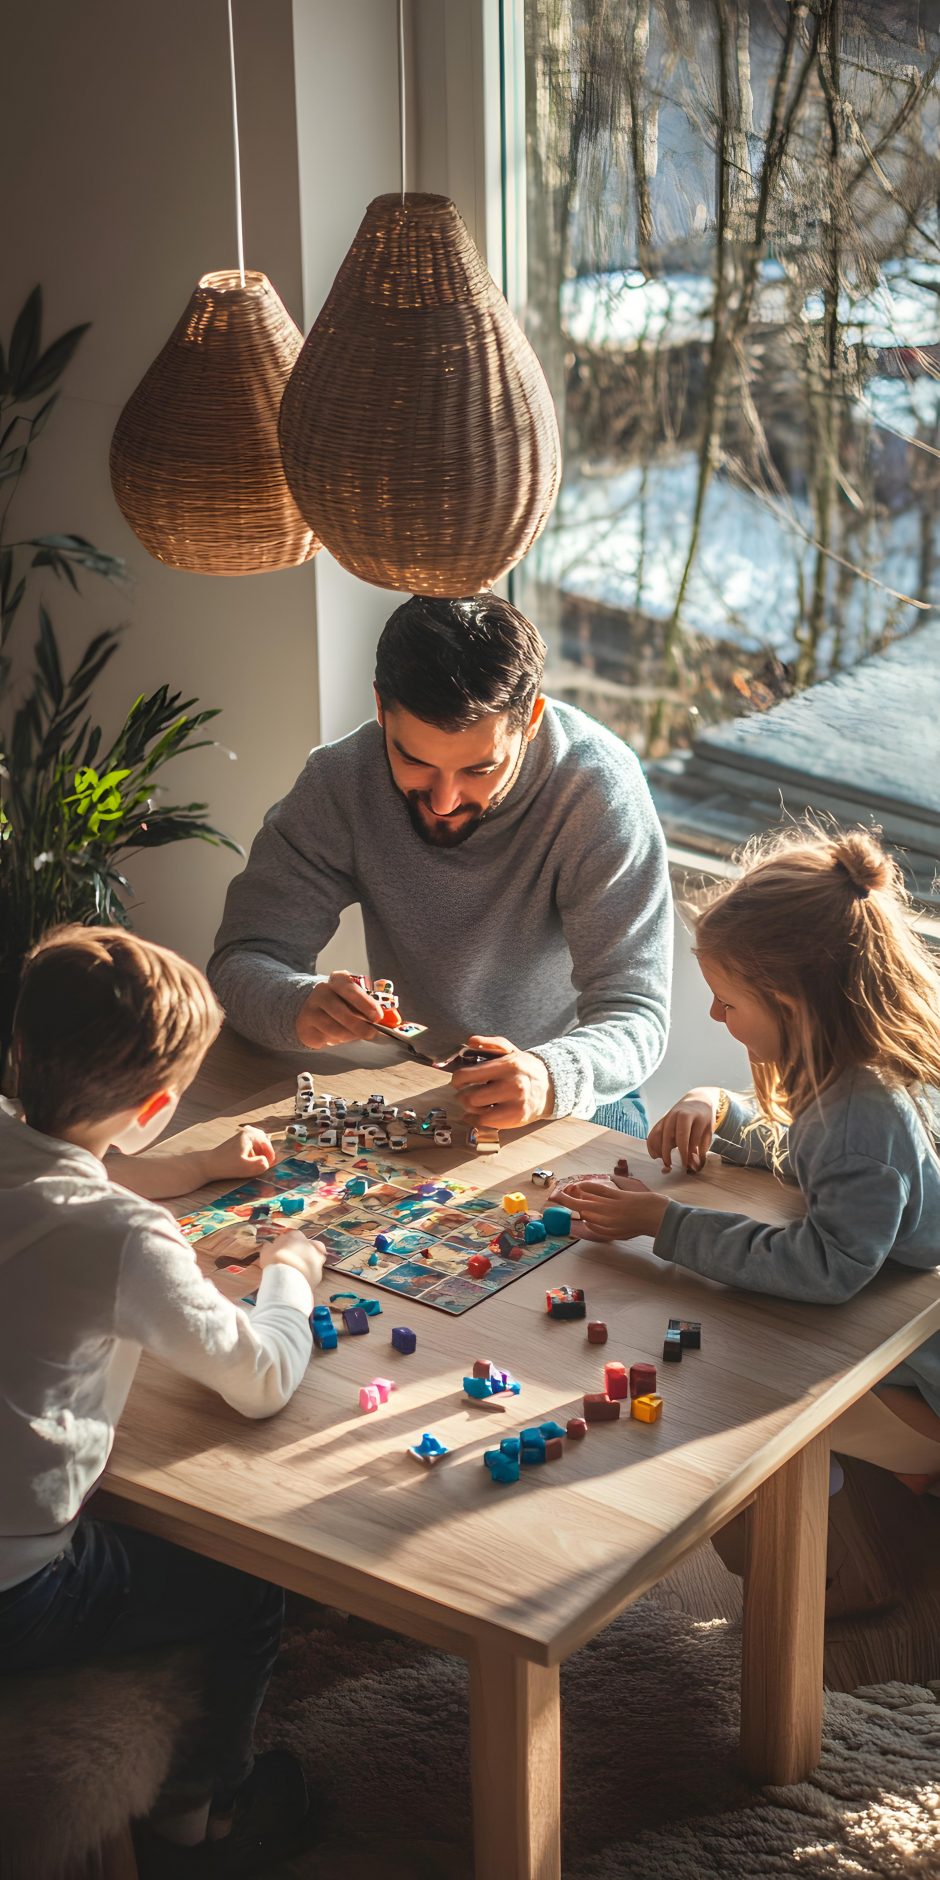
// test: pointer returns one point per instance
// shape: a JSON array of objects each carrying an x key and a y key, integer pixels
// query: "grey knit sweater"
[{"x": 551, "y": 925}]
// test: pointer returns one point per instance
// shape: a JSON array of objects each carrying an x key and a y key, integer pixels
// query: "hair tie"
[{"x": 858, "y": 889}]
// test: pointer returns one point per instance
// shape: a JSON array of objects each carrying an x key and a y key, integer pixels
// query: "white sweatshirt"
[{"x": 90, "y": 1275}]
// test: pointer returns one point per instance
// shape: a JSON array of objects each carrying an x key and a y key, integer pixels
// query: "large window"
[{"x": 733, "y": 281}]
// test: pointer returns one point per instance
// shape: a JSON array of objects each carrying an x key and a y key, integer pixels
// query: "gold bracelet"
[{"x": 724, "y": 1105}]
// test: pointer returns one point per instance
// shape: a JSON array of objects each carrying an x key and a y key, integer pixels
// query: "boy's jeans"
[{"x": 115, "y": 1591}]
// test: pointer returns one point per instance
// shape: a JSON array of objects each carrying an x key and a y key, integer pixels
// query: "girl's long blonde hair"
[{"x": 819, "y": 926}]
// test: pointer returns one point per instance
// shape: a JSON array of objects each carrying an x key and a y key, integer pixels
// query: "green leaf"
[
  {"x": 24, "y": 342},
  {"x": 12, "y": 462},
  {"x": 52, "y": 363}
]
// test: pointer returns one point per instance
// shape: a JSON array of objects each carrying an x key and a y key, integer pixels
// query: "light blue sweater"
[{"x": 871, "y": 1181}]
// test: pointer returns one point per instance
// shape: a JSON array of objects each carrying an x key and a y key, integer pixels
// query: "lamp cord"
[
  {"x": 401, "y": 88},
  {"x": 238, "y": 169}
]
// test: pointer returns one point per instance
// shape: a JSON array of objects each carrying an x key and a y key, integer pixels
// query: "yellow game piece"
[
  {"x": 647, "y": 1409},
  {"x": 514, "y": 1204}
]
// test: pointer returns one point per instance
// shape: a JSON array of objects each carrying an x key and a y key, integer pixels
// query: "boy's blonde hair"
[
  {"x": 103, "y": 1021},
  {"x": 819, "y": 926}
]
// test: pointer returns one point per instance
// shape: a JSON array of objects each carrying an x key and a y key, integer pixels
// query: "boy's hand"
[
  {"x": 249, "y": 1152},
  {"x": 617, "y": 1210},
  {"x": 513, "y": 1088},
  {"x": 337, "y": 1012},
  {"x": 688, "y": 1127},
  {"x": 294, "y": 1249}
]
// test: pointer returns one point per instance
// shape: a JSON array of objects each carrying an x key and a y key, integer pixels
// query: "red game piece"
[
  {"x": 642, "y": 1380},
  {"x": 576, "y": 1428},
  {"x": 554, "y": 1447},
  {"x": 478, "y": 1265},
  {"x": 597, "y": 1332},
  {"x": 616, "y": 1381},
  {"x": 599, "y": 1408}
]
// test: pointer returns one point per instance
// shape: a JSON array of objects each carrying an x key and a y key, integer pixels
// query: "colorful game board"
[{"x": 432, "y": 1236}]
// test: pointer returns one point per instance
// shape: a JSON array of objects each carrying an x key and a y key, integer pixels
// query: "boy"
[{"x": 108, "y": 1032}]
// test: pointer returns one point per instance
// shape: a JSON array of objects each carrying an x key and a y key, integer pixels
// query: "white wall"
[{"x": 118, "y": 196}]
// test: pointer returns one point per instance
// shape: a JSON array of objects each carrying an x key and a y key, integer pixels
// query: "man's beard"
[{"x": 445, "y": 832}]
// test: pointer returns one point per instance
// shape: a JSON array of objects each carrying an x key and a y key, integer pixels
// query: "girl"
[{"x": 814, "y": 966}]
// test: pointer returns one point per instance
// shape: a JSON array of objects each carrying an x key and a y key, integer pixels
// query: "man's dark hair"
[{"x": 452, "y": 663}]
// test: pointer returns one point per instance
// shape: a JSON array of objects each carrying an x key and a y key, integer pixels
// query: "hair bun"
[{"x": 864, "y": 861}]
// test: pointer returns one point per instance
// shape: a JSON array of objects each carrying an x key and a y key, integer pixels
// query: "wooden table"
[{"x": 326, "y": 1501}]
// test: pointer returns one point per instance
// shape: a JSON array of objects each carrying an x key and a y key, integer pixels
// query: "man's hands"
[
  {"x": 618, "y": 1209},
  {"x": 513, "y": 1088},
  {"x": 337, "y": 1012},
  {"x": 294, "y": 1249},
  {"x": 688, "y": 1127}
]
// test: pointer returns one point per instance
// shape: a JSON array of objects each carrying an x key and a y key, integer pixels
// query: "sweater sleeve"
[
  {"x": 281, "y": 911},
  {"x": 616, "y": 911},
  {"x": 165, "y": 1304},
  {"x": 737, "y": 1142},
  {"x": 853, "y": 1214}
]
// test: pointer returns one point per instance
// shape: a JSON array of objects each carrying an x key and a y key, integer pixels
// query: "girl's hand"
[
  {"x": 617, "y": 1210},
  {"x": 249, "y": 1152},
  {"x": 688, "y": 1127}
]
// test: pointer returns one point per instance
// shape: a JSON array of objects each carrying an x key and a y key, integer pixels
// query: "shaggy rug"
[{"x": 651, "y": 1785}]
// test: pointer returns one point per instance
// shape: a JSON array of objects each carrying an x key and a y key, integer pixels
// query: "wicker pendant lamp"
[
  {"x": 417, "y": 429},
  {"x": 195, "y": 464}
]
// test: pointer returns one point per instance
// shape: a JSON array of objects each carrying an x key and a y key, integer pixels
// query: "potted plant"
[{"x": 72, "y": 805}]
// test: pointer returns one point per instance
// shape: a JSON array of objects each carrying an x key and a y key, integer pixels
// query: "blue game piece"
[
  {"x": 373, "y": 1260},
  {"x": 490, "y": 1456},
  {"x": 505, "y": 1241},
  {"x": 291, "y": 1204},
  {"x": 355, "y": 1320},
  {"x": 502, "y": 1470},
  {"x": 323, "y": 1329},
  {"x": 261, "y": 1212},
  {"x": 382, "y": 1243},
  {"x": 534, "y": 1231},
  {"x": 478, "y": 1387},
  {"x": 552, "y": 1429},
  {"x": 371, "y": 1306},
  {"x": 533, "y": 1452},
  {"x": 429, "y": 1448},
  {"x": 510, "y": 1447},
  {"x": 557, "y": 1220},
  {"x": 404, "y": 1339},
  {"x": 443, "y": 1194},
  {"x": 426, "y": 1188}
]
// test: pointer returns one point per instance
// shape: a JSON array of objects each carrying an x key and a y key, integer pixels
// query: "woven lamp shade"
[
  {"x": 195, "y": 464},
  {"x": 417, "y": 430}
]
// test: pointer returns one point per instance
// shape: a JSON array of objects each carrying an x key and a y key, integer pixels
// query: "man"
[{"x": 510, "y": 868}]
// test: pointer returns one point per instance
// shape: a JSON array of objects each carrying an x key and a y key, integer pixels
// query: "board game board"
[{"x": 432, "y": 1235}]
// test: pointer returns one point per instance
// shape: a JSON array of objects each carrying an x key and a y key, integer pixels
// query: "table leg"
[
  {"x": 784, "y": 1611},
  {"x": 515, "y": 1736}
]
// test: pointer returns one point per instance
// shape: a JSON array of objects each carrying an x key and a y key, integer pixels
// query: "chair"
[{"x": 83, "y": 1753}]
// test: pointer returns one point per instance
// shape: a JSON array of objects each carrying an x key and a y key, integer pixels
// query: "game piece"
[
  {"x": 642, "y": 1379},
  {"x": 339, "y": 1109},
  {"x": 356, "y": 1185},
  {"x": 690, "y": 1333},
  {"x": 443, "y": 1194},
  {"x": 554, "y": 1448},
  {"x": 373, "y": 1259},
  {"x": 513, "y": 1204},
  {"x": 647, "y": 1409},
  {"x": 482, "y": 1139},
  {"x": 533, "y": 1232},
  {"x": 429, "y": 1450},
  {"x": 424, "y": 1253},
  {"x": 327, "y": 1138},
  {"x": 565, "y": 1302},
  {"x": 409, "y": 1118},
  {"x": 597, "y": 1332},
  {"x": 397, "y": 1140},
  {"x": 425, "y": 1189},
  {"x": 616, "y": 1381},
  {"x": 404, "y": 1339},
  {"x": 297, "y": 1132},
  {"x": 557, "y": 1220},
  {"x": 542, "y": 1177},
  {"x": 369, "y": 1398},
  {"x": 323, "y": 1329},
  {"x": 478, "y": 1265},
  {"x": 504, "y": 1243},
  {"x": 532, "y": 1446},
  {"x": 482, "y": 1367},
  {"x": 510, "y": 1446},
  {"x": 356, "y": 1320},
  {"x": 291, "y": 1204},
  {"x": 599, "y": 1408},
  {"x": 501, "y": 1468},
  {"x": 382, "y": 1243},
  {"x": 490, "y": 1383},
  {"x": 443, "y": 1137},
  {"x": 622, "y": 1167},
  {"x": 576, "y": 1429},
  {"x": 551, "y": 1429},
  {"x": 305, "y": 1080},
  {"x": 350, "y": 1142},
  {"x": 436, "y": 1116},
  {"x": 261, "y": 1212},
  {"x": 672, "y": 1348}
]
